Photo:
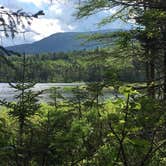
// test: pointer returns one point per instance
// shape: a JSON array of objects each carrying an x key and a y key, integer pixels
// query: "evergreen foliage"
[{"x": 127, "y": 130}]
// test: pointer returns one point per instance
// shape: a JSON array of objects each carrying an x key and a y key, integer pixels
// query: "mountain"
[{"x": 59, "y": 42}]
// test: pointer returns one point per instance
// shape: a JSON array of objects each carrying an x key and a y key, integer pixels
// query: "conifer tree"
[{"x": 21, "y": 110}]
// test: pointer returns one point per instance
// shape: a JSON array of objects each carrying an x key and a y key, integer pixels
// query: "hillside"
[{"x": 58, "y": 42}]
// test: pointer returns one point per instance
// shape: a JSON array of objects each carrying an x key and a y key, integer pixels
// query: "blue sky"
[{"x": 58, "y": 18}]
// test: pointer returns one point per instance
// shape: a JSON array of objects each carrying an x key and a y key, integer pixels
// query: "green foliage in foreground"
[{"x": 126, "y": 131}]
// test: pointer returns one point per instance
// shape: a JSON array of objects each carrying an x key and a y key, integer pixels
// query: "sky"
[{"x": 59, "y": 17}]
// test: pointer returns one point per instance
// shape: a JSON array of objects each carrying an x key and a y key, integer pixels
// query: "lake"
[{"x": 8, "y": 93}]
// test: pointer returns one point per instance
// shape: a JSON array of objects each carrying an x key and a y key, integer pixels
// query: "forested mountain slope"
[{"x": 60, "y": 42}]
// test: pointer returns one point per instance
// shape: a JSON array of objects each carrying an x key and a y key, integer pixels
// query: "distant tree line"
[{"x": 75, "y": 66}]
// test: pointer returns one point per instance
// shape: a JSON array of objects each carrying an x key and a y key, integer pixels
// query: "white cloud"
[
  {"x": 58, "y": 18},
  {"x": 37, "y": 3},
  {"x": 41, "y": 3},
  {"x": 39, "y": 29},
  {"x": 45, "y": 27},
  {"x": 56, "y": 9}
]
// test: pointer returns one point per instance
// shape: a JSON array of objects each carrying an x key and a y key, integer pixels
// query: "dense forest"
[
  {"x": 127, "y": 130},
  {"x": 76, "y": 66}
]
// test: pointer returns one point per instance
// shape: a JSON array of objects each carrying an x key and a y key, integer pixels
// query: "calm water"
[{"x": 8, "y": 93}]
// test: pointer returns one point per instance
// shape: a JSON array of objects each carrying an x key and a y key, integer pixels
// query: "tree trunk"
[
  {"x": 150, "y": 74},
  {"x": 164, "y": 75},
  {"x": 152, "y": 78},
  {"x": 147, "y": 77}
]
